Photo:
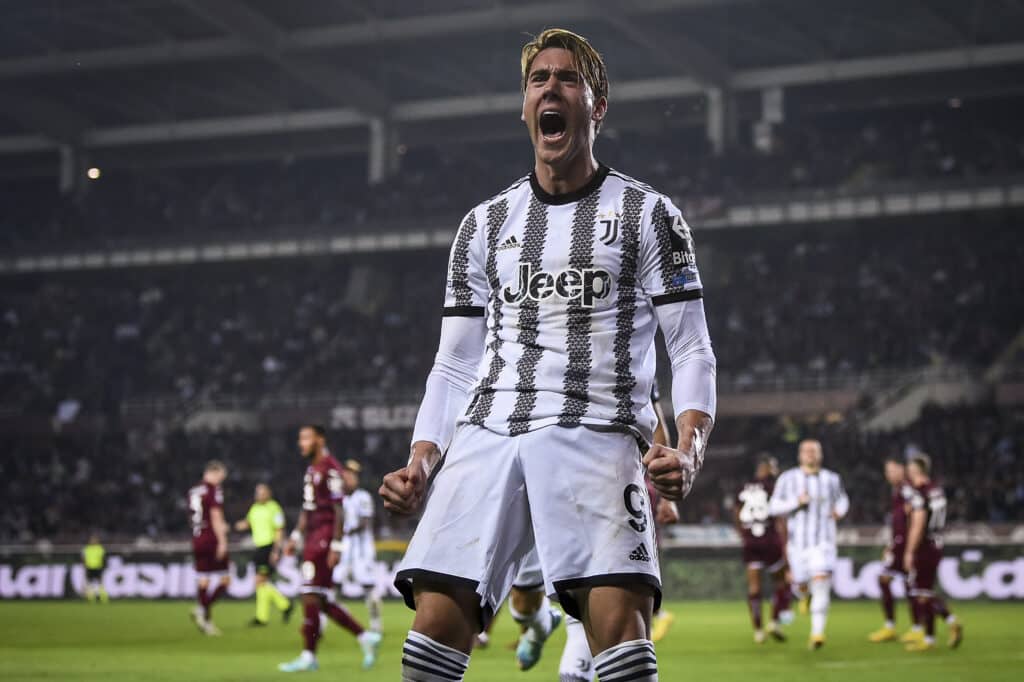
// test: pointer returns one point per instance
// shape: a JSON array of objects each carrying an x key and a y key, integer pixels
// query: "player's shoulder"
[
  {"x": 520, "y": 184},
  {"x": 617, "y": 180},
  {"x": 330, "y": 463}
]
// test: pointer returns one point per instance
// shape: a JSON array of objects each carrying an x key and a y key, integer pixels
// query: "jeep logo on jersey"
[
  {"x": 586, "y": 285},
  {"x": 682, "y": 241}
]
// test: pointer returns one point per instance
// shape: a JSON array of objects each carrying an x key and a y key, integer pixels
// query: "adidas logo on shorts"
[
  {"x": 640, "y": 553},
  {"x": 510, "y": 243}
]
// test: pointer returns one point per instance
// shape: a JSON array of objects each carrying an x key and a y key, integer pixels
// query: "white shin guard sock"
[
  {"x": 634, "y": 660},
  {"x": 820, "y": 597},
  {"x": 577, "y": 664},
  {"x": 424, "y": 660}
]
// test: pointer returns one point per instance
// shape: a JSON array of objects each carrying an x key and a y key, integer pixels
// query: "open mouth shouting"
[{"x": 552, "y": 126}]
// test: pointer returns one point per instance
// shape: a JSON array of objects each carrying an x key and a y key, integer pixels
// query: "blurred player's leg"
[
  {"x": 218, "y": 592},
  {"x": 200, "y": 612},
  {"x": 483, "y": 638},
  {"x": 531, "y": 609},
  {"x": 887, "y": 632},
  {"x": 916, "y": 631},
  {"x": 956, "y": 629},
  {"x": 577, "y": 665},
  {"x": 820, "y": 597},
  {"x": 374, "y": 604},
  {"x": 780, "y": 602},
  {"x": 754, "y": 600},
  {"x": 537, "y": 619},
  {"x": 927, "y": 619}
]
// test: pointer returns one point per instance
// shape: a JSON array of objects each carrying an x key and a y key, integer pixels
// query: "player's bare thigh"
[
  {"x": 447, "y": 614},
  {"x": 612, "y": 615}
]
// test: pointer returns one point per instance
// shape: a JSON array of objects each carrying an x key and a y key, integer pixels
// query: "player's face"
[
  {"x": 559, "y": 108},
  {"x": 916, "y": 474},
  {"x": 764, "y": 470},
  {"x": 262, "y": 493},
  {"x": 810, "y": 454},
  {"x": 309, "y": 442},
  {"x": 895, "y": 473},
  {"x": 350, "y": 479}
]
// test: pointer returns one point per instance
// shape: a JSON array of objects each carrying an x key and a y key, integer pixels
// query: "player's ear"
[{"x": 600, "y": 109}]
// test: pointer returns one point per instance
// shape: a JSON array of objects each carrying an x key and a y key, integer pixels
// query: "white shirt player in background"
[
  {"x": 545, "y": 365},
  {"x": 811, "y": 499},
  {"x": 359, "y": 552}
]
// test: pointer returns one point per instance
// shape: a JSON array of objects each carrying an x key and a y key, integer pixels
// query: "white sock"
[
  {"x": 424, "y": 660},
  {"x": 577, "y": 665},
  {"x": 820, "y": 596},
  {"x": 537, "y": 624},
  {"x": 951, "y": 618},
  {"x": 307, "y": 656},
  {"x": 634, "y": 660},
  {"x": 373, "y": 607},
  {"x": 917, "y": 628},
  {"x": 889, "y": 624}
]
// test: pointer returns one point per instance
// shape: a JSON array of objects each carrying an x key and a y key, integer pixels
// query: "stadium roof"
[{"x": 123, "y": 78}]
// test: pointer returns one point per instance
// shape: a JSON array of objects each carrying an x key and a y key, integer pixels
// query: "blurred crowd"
[
  {"x": 839, "y": 151},
  {"x": 787, "y": 304},
  {"x": 123, "y": 484},
  {"x": 795, "y": 303}
]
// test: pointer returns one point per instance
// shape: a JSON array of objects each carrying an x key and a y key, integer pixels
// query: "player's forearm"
[
  {"x": 694, "y": 429},
  {"x": 278, "y": 537},
  {"x": 916, "y": 532},
  {"x": 694, "y": 366},
  {"x": 339, "y": 526},
  {"x": 300, "y": 526},
  {"x": 782, "y": 506},
  {"x": 660, "y": 430},
  {"x": 842, "y": 507},
  {"x": 450, "y": 379}
]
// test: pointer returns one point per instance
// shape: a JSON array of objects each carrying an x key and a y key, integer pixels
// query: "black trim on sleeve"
[
  {"x": 568, "y": 197},
  {"x": 463, "y": 311},
  {"x": 689, "y": 295},
  {"x": 563, "y": 588}
]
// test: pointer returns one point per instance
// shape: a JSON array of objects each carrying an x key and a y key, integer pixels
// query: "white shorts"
[
  {"x": 358, "y": 563},
  {"x": 807, "y": 562},
  {"x": 530, "y": 576},
  {"x": 577, "y": 494}
]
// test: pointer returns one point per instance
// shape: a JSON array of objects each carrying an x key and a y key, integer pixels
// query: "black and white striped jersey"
[
  {"x": 814, "y": 523},
  {"x": 568, "y": 285}
]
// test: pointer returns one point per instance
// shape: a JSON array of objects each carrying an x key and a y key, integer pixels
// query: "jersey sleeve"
[
  {"x": 216, "y": 498},
  {"x": 668, "y": 261},
  {"x": 335, "y": 487},
  {"x": 466, "y": 290},
  {"x": 917, "y": 500},
  {"x": 365, "y": 506},
  {"x": 277, "y": 518}
]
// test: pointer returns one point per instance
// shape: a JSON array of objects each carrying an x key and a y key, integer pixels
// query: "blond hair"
[{"x": 587, "y": 59}]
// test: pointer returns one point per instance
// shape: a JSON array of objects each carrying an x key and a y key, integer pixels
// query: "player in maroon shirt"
[
  {"x": 209, "y": 543},
  {"x": 892, "y": 557},
  {"x": 762, "y": 536},
  {"x": 924, "y": 552},
  {"x": 320, "y": 529}
]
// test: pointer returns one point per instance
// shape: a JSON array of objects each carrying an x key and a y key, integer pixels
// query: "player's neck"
[
  {"x": 809, "y": 470},
  {"x": 568, "y": 177},
  {"x": 319, "y": 456}
]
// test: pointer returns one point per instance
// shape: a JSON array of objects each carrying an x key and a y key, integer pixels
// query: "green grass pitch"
[{"x": 709, "y": 641}]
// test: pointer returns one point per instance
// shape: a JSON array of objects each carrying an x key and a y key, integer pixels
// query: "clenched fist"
[
  {"x": 673, "y": 470},
  {"x": 403, "y": 490}
]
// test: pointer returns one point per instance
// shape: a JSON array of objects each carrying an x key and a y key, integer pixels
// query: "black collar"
[{"x": 568, "y": 197}]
